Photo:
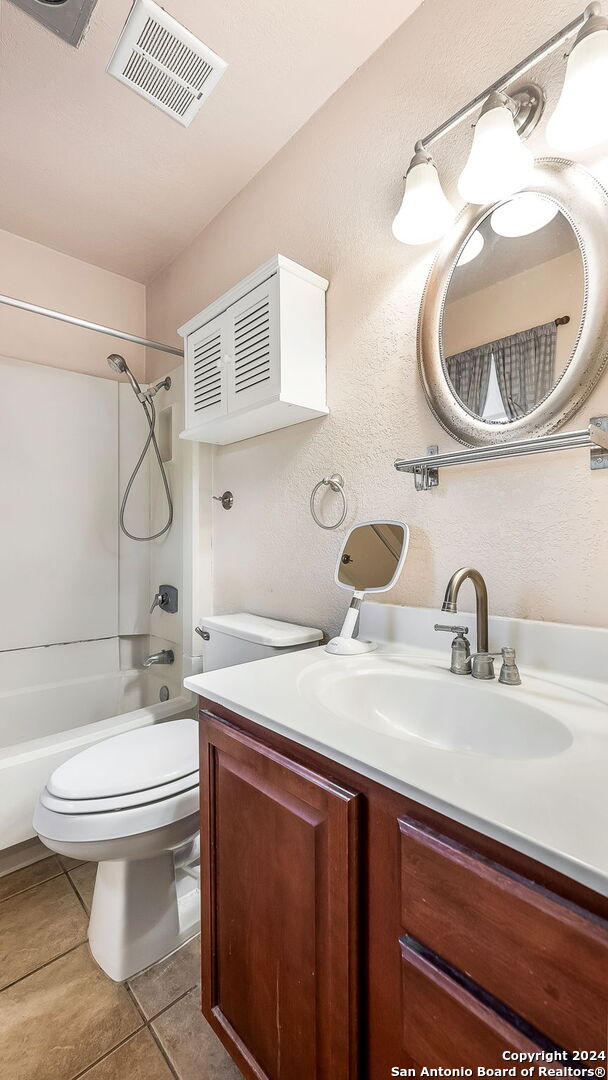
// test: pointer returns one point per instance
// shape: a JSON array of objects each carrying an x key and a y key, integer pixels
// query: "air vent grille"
[
  {"x": 252, "y": 346},
  {"x": 207, "y": 373},
  {"x": 162, "y": 45},
  {"x": 164, "y": 62}
]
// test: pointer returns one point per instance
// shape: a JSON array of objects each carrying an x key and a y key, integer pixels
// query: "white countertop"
[{"x": 554, "y": 809}]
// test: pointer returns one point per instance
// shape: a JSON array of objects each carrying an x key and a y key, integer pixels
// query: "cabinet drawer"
[
  {"x": 446, "y": 1025},
  {"x": 542, "y": 956}
]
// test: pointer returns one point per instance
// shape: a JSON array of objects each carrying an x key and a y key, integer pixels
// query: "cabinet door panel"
[
  {"x": 254, "y": 375},
  {"x": 445, "y": 1025},
  {"x": 206, "y": 352},
  {"x": 279, "y": 874}
]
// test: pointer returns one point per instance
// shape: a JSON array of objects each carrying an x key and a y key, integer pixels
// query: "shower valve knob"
[{"x": 165, "y": 599}]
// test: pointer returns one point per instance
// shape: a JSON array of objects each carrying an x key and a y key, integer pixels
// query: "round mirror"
[
  {"x": 513, "y": 308},
  {"x": 512, "y": 334}
]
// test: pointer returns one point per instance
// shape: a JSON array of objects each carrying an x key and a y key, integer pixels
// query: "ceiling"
[{"x": 91, "y": 169}]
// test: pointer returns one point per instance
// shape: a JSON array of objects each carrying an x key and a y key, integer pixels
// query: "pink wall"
[
  {"x": 30, "y": 271},
  {"x": 535, "y": 527}
]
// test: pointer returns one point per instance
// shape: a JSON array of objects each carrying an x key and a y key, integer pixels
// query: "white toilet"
[{"x": 130, "y": 803}]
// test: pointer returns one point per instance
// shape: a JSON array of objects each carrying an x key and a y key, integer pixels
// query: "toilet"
[{"x": 130, "y": 803}]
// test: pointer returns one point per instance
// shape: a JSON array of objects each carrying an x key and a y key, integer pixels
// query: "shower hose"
[{"x": 150, "y": 411}]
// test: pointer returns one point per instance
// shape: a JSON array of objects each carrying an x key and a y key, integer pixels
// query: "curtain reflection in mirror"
[{"x": 523, "y": 364}]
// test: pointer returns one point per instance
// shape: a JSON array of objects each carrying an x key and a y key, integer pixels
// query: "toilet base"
[{"x": 142, "y": 910}]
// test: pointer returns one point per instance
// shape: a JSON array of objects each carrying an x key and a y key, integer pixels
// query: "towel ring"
[{"x": 336, "y": 483}]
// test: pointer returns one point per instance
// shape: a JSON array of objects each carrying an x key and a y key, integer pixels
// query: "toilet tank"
[{"x": 237, "y": 639}]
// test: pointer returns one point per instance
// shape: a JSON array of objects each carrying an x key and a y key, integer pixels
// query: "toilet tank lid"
[{"x": 260, "y": 630}]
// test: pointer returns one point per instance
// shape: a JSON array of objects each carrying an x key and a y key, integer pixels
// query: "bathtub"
[{"x": 56, "y": 701}]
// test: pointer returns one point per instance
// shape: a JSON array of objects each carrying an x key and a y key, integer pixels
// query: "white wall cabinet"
[{"x": 255, "y": 358}]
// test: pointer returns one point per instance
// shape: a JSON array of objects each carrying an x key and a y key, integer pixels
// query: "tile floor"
[{"x": 61, "y": 1018}]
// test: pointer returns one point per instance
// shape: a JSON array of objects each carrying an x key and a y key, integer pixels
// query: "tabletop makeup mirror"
[
  {"x": 370, "y": 561},
  {"x": 514, "y": 318}
]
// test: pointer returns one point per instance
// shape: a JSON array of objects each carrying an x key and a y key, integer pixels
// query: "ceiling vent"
[{"x": 158, "y": 58}]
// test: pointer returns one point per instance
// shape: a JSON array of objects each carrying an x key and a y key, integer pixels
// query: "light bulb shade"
[
  {"x": 425, "y": 213},
  {"x": 524, "y": 214},
  {"x": 499, "y": 163},
  {"x": 580, "y": 119},
  {"x": 471, "y": 249}
]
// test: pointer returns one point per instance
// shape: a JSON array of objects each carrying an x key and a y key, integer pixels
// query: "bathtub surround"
[
  {"x": 78, "y": 593},
  {"x": 59, "y": 542},
  {"x": 342, "y": 172},
  {"x": 57, "y": 700},
  {"x": 148, "y": 1029}
]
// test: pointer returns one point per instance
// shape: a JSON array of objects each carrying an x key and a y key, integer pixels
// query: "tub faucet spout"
[{"x": 165, "y": 656}]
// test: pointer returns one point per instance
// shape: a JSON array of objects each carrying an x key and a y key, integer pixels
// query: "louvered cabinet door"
[
  {"x": 253, "y": 335},
  {"x": 207, "y": 360}
]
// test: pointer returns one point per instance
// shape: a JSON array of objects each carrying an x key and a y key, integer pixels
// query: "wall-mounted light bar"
[{"x": 499, "y": 163}]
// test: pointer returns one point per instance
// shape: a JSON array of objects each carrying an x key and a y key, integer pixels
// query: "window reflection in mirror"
[
  {"x": 513, "y": 308},
  {"x": 371, "y": 556}
]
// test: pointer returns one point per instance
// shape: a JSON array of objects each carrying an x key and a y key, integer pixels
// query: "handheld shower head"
[
  {"x": 120, "y": 366},
  {"x": 117, "y": 363}
]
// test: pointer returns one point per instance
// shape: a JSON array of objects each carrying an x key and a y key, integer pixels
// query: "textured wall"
[{"x": 536, "y": 528}]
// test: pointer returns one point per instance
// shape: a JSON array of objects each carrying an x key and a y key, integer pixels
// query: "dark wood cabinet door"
[
  {"x": 279, "y": 880},
  {"x": 446, "y": 1025}
]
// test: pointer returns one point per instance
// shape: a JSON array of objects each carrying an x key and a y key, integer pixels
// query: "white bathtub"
[{"x": 58, "y": 700}]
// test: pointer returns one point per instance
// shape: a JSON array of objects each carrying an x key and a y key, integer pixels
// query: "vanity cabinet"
[
  {"x": 349, "y": 931},
  {"x": 255, "y": 358}
]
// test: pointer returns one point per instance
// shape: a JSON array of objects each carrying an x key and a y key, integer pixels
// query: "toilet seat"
[
  {"x": 82, "y": 828},
  {"x": 134, "y": 783},
  {"x": 132, "y": 762},
  {"x": 118, "y": 802}
]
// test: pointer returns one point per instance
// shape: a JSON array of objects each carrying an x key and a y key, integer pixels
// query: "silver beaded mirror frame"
[{"x": 584, "y": 203}]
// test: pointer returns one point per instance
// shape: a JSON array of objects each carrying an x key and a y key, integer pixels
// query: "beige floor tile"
[
  {"x": 192, "y": 1047},
  {"x": 38, "y": 925},
  {"x": 29, "y": 876},
  {"x": 137, "y": 1059},
  {"x": 61, "y": 1019},
  {"x": 83, "y": 878},
  {"x": 163, "y": 983},
  {"x": 21, "y": 855},
  {"x": 68, "y": 863}
]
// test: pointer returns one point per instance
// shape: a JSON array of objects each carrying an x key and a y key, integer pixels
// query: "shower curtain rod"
[{"x": 24, "y": 305}]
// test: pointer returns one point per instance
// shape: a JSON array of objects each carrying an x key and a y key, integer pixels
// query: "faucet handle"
[
  {"x": 159, "y": 601},
  {"x": 509, "y": 672},
  {"x": 461, "y": 649}
]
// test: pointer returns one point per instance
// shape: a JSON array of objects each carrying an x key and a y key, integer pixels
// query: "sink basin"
[{"x": 425, "y": 704}]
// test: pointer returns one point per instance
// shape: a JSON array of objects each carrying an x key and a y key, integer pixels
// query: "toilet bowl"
[{"x": 130, "y": 804}]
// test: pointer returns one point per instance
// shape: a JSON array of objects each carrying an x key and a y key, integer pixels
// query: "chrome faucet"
[
  {"x": 481, "y": 664},
  {"x": 481, "y": 602},
  {"x": 165, "y": 656}
]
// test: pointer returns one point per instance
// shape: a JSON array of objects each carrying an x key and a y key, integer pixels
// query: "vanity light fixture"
[
  {"x": 523, "y": 214},
  {"x": 499, "y": 164},
  {"x": 425, "y": 212},
  {"x": 580, "y": 120}
]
